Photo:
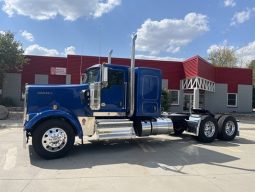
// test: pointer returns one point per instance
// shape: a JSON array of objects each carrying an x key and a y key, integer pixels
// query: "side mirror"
[
  {"x": 84, "y": 96},
  {"x": 104, "y": 76}
]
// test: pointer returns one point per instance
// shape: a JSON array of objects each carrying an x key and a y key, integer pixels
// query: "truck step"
[{"x": 114, "y": 129}]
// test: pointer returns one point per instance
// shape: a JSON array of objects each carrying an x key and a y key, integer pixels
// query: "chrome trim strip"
[
  {"x": 125, "y": 96},
  {"x": 109, "y": 114}
]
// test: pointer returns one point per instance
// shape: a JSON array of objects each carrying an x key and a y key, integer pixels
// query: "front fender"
[{"x": 29, "y": 125}]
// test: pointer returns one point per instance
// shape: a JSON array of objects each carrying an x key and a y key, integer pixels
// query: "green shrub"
[
  {"x": 165, "y": 100},
  {"x": 253, "y": 97}
]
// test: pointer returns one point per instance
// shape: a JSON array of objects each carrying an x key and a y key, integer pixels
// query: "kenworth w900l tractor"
[{"x": 113, "y": 102}]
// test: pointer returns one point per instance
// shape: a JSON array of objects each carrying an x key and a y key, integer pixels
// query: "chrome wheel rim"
[
  {"x": 209, "y": 129},
  {"x": 54, "y": 139},
  {"x": 230, "y": 128}
]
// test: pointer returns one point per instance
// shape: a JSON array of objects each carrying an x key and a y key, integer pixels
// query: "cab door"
[{"x": 113, "y": 96}]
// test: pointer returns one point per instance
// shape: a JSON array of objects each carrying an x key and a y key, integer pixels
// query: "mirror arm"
[{"x": 104, "y": 84}]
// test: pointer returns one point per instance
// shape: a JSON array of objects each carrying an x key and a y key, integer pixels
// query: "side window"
[
  {"x": 115, "y": 77},
  {"x": 232, "y": 100},
  {"x": 174, "y": 97}
]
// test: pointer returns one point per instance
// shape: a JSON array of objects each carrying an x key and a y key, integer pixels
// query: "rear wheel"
[
  {"x": 208, "y": 129},
  {"x": 53, "y": 139},
  {"x": 227, "y": 128},
  {"x": 217, "y": 116}
]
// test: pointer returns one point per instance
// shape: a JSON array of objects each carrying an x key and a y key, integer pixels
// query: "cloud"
[
  {"x": 70, "y": 50},
  {"x": 241, "y": 17},
  {"x": 106, "y": 7},
  {"x": 48, "y": 9},
  {"x": 151, "y": 57},
  {"x": 2, "y": 32},
  {"x": 28, "y": 36},
  {"x": 36, "y": 49},
  {"x": 244, "y": 54},
  {"x": 229, "y": 3},
  {"x": 170, "y": 35}
]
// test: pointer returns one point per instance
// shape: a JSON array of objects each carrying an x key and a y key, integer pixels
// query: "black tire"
[
  {"x": 227, "y": 128},
  {"x": 179, "y": 122},
  {"x": 217, "y": 116},
  {"x": 179, "y": 129},
  {"x": 207, "y": 136},
  {"x": 45, "y": 128}
]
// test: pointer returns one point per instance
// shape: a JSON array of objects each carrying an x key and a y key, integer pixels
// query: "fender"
[{"x": 28, "y": 125}]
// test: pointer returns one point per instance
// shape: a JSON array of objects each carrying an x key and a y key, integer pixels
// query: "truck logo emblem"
[
  {"x": 83, "y": 121},
  {"x": 44, "y": 93}
]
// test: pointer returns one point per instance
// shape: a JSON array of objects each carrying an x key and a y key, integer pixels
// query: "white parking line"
[
  {"x": 246, "y": 135},
  {"x": 146, "y": 148},
  {"x": 10, "y": 158},
  {"x": 232, "y": 149},
  {"x": 2, "y": 132}
]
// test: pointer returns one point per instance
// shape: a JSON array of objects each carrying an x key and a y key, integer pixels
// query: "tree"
[
  {"x": 252, "y": 65},
  {"x": 11, "y": 55},
  {"x": 253, "y": 97},
  {"x": 223, "y": 56}
]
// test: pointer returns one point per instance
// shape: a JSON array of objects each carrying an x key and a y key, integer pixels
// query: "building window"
[
  {"x": 165, "y": 84},
  {"x": 201, "y": 99},
  {"x": 232, "y": 99},
  {"x": 174, "y": 97}
]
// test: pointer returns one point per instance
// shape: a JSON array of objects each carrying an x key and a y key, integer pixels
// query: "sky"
[{"x": 166, "y": 29}]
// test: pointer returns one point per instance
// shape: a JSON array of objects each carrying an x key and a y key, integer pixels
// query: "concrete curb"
[{"x": 10, "y": 124}]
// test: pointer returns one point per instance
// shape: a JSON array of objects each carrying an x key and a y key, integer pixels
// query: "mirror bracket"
[{"x": 104, "y": 76}]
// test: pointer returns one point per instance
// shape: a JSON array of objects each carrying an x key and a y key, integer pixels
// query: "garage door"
[
  {"x": 41, "y": 79},
  {"x": 12, "y": 87}
]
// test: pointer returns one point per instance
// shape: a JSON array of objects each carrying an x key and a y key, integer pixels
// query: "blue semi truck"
[{"x": 113, "y": 102}]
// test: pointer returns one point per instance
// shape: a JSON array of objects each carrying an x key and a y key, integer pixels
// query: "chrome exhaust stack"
[
  {"x": 132, "y": 79},
  {"x": 110, "y": 57}
]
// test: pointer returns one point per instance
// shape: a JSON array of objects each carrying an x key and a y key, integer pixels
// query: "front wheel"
[
  {"x": 208, "y": 129},
  {"x": 53, "y": 139}
]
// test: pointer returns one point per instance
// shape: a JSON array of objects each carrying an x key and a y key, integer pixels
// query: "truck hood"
[{"x": 65, "y": 97}]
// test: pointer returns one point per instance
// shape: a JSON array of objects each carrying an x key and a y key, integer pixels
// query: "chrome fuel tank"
[{"x": 162, "y": 125}]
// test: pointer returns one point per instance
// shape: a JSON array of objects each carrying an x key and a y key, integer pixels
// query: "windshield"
[{"x": 92, "y": 75}]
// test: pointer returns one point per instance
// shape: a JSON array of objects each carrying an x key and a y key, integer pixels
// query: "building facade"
[
  {"x": 192, "y": 83},
  {"x": 253, "y": 73}
]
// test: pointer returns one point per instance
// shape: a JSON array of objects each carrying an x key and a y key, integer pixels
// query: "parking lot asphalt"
[{"x": 157, "y": 163}]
